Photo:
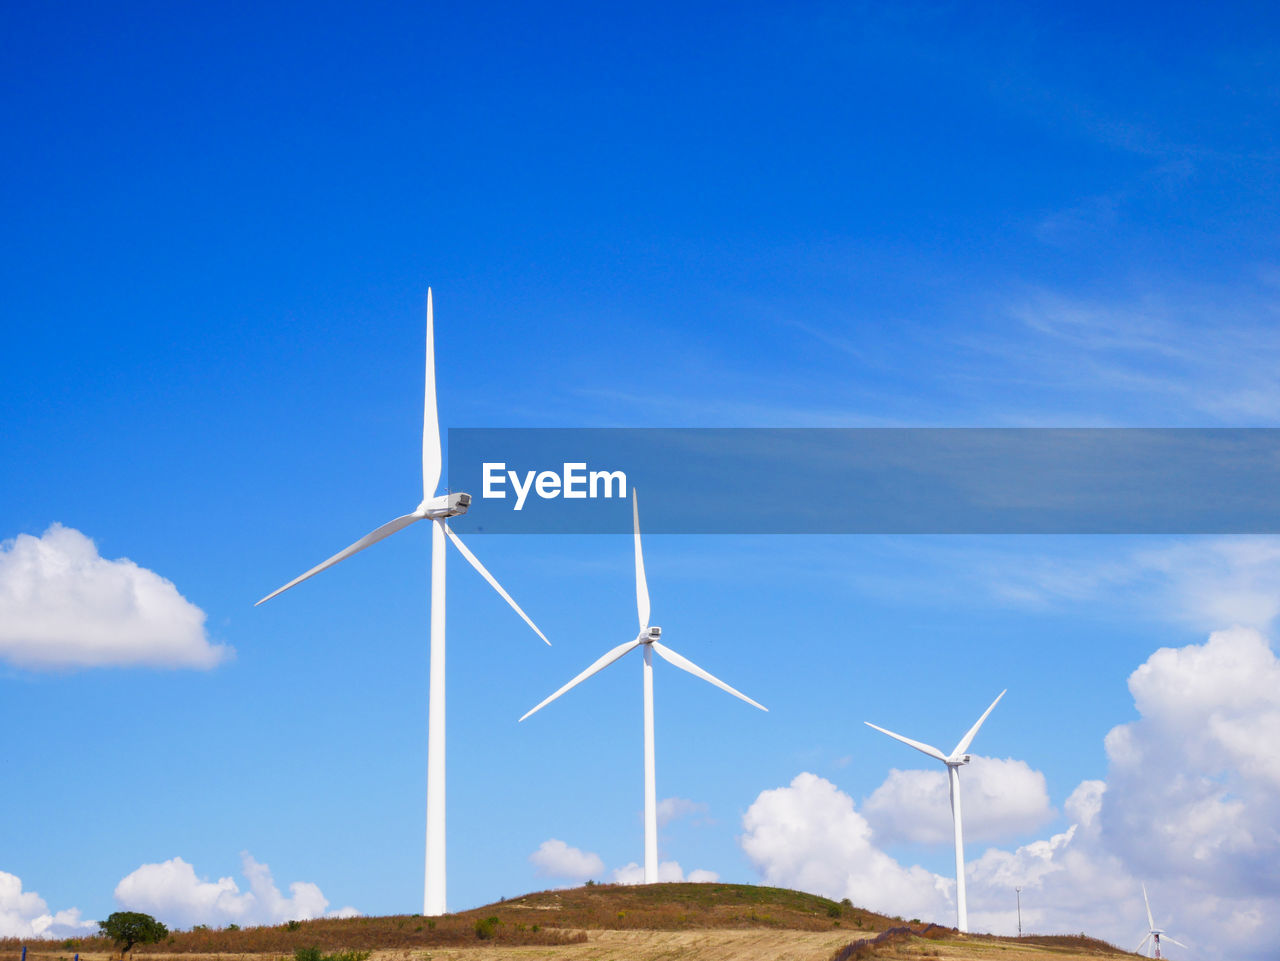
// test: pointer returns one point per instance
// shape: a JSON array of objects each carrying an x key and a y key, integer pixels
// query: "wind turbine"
[
  {"x": 438, "y": 510},
  {"x": 954, "y": 761},
  {"x": 648, "y": 639},
  {"x": 1154, "y": 934}
]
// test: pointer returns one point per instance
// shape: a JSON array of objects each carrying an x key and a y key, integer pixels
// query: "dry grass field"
[{"x": 698, "y": 922}]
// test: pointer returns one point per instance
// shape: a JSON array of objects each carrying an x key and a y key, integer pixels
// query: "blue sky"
[{"x": 220, "y": 225}]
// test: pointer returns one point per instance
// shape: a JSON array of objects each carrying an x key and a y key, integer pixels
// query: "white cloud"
[
  {"x": 1203, "y": 583},
  {"x": 171, "y": 892},
  {"x": 1000, "y": 799},
  {"x": 667, "y": 871},
  {"x": 1229, "y": 580},
  {"x": 555, "y": 859},
  {"x": 673, "y": 808},
  {"x": 63, "y": 605},
  {"x": 809, "y": 836},
  {"x": 1190, "y": 806},
  {"x": 24, "y": 914},
  {"x": 1175, "y": 350},
  {"x": 1194, "y": 784}
]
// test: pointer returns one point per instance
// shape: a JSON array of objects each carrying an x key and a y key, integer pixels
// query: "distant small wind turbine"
[
  {"x": 438, "y": 510},
  {"x": 1154, "y": 934},
  {"x": 954, "y": 761},
  {"x": 648, "y": 639}
]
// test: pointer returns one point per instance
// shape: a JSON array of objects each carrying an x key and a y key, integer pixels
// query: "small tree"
[{"x": 127, "y": 928}]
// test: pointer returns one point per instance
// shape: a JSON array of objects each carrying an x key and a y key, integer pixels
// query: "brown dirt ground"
[{"x": 709, "y": 944}]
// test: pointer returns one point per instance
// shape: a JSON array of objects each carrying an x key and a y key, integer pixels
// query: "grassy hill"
[{"x": 659, "y": 921}]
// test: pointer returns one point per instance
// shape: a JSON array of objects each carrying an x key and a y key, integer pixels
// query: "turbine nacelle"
[
  {"x": 444, "y": 506},
  {"x": 959, "y": 760},
  {"x": 649, "y": 635}
]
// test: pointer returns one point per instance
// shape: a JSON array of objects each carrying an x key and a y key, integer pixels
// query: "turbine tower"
[
  {"x": 954, "y": 761},
  {"x": 437, "y": 509},
  {"x": 648, "y": 639},
  {"x": 1154, "y": 934}
]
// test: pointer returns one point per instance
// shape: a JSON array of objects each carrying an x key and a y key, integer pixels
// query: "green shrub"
[
  {"x": 314, "y": 954},
  {"x": 485, "y": 928},
  {"x": 833, "y": 911},
  {"x": 294, "y": 925}
]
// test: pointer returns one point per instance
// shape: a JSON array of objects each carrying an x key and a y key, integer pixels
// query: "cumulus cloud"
[
  {"x": 172, "y": 892},
  {"x": 1194, "y": 784},
  {"x": 555, "y": 859},
  {"x": 63, "y": 605},
  {"x": 1190, "y": 806},
  {"x": 809, "y": 836},
  {"x": 673, "y": 808},
  {"x": 1000, "y": 799},
  {"x": 24, "y": 914},
  {"x": 667, "y": 871}
]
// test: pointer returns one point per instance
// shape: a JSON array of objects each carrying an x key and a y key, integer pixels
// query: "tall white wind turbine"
[
  {"x": 437, "y": 509},
  {"x": 954, "y": 761},
  {"x": 648, "y": 639},
  {"x": 1154, "y": 934}
]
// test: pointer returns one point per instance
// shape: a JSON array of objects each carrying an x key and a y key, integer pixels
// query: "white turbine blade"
[
  {"x": 923, "y": 748},
  {"x": 1142, "y": 943},
  {"x": 968, "y": 738},
  {"x": 599, "y": 665},
  {"x": 642, "y": 585},
  {"x": 386, "y": 530},
  {"x": 474, "y": 562},
  {"x": 687, "y": 665},
  {"x": 1165, "y": 937},
  {"x": 430, "y": 420},
  {"x": 1150, "y": 920}
]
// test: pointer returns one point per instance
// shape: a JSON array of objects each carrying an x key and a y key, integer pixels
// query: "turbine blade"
[
  {"x": 386, "y": 530},
  {"x": 431, "y": 458},
  {"x": 642, "y": 585},
  {"x": 1150, "y": 920},
  {"x": 1142, "y": 943},
  {"x": 474, "y": 562},
  {"x": 687, "y": 665},
  {"x": 1165, "y": 937},
  {"x": 968, "y": 738},
  {"x": 599, "y": 665},
  {"x": 919, "y": 746}
]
